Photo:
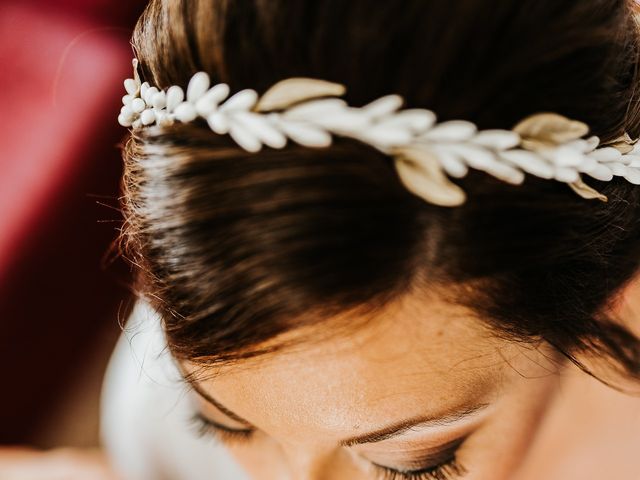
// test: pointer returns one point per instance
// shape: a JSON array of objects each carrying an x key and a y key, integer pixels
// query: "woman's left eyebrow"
[{"x": 423, "y": 421}]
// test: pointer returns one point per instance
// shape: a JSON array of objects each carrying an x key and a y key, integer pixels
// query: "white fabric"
[{"x": 146, "y": 409}]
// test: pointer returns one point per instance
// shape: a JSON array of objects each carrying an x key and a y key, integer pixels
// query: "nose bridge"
[{"x": 310, "y": 464}]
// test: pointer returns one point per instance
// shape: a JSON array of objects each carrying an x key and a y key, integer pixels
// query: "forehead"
[{"x": 415, "y": 357}]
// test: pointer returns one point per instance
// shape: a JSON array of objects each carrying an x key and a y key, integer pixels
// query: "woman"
[{"x": 307, "y": 307}]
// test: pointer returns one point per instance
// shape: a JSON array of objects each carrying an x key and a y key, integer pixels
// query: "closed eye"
[
  {"x": 441, "y": 465},
  {"x": 207, "y": 427},
  {"x": 450, "y": 470}
]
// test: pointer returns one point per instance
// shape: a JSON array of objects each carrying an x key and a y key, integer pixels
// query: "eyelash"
[
  {"x": 205, "y": 427},
  {"x": 449, "y": 470}
]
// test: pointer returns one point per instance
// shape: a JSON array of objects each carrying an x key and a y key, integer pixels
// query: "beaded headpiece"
[{"x": 426, "y": 152}]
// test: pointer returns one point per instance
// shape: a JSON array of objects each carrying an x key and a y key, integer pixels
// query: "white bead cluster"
[
  {"x": 307, "y": 111},
  {"x": 145, "y": 105}
]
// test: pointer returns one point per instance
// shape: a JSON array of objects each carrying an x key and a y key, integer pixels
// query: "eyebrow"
[
  {"x": 423, "y": 421},
  {"x": 217, "y": 404}
]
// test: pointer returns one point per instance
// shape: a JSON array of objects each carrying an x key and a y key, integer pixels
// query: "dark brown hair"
[{"x": 233, "y": 248}]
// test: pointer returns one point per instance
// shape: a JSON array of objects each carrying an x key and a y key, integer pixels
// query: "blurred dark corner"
[{"x": 61, "y": 293}]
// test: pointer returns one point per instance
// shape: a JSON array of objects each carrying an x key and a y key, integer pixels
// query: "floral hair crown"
[{"x": 425, "y": 152}]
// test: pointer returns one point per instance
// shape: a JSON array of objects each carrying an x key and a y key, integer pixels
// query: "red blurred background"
[{"x": 61, "y": 290}]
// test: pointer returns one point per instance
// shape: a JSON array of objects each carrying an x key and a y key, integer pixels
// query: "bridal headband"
[{"x": 425, "y": 152}]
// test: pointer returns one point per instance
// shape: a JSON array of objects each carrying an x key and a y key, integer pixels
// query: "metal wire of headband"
[{"x": 306, "y": 110}]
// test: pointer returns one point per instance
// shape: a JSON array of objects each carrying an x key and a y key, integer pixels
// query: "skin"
[
  {"x": 546, "y": 418},
  {"x": 417, "y": 359}
]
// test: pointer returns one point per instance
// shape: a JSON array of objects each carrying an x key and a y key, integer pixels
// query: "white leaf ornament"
[
  {"x": 242, "y": 100},
  {"x": 305, "y": 133},
  {"x": 261, "y": 128},
  {"x": 451, "y": 131},
  {"x": 497, "y": 139},
  {"x": 243, "y": 137},
  {"x": 198, "y": 84}
]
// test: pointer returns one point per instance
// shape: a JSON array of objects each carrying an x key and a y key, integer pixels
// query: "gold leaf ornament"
[
  {"x": 585, "y": 191},
  {"x": 624, "y": 143},
  {"x": 421, "y": 173},
  {"x": 295, "y": 90},
  {"x": 545, "y": 130},
  {"x": 136, "y": 75}
]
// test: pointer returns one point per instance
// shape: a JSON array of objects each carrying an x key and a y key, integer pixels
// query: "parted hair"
[{"x": 233, "y": 248}]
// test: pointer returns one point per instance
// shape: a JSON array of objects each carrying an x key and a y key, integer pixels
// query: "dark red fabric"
[
  {"x": 113, "y": 13},
  {"x": 60, "y": 87}
]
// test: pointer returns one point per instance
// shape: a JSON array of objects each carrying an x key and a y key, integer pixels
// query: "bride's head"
[{"x": 332, "y": 322}]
